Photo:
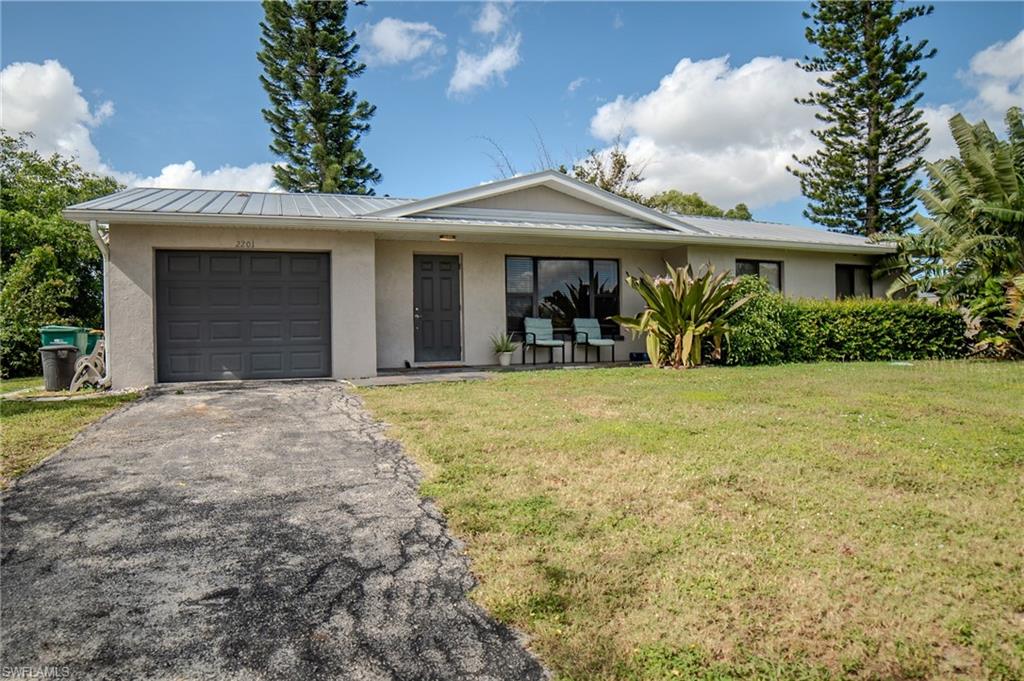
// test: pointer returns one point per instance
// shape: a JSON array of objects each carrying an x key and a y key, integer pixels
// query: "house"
[{"x": 205, "y": 285}]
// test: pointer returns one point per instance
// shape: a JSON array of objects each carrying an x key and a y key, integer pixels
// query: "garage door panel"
[
  {"x": 224, "y": 315},
  {"x": 224, "y": 296},
  {"x": 226, "y": 331}
]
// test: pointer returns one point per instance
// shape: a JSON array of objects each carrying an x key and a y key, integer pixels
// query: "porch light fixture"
[{"x": 447, "y": 237}]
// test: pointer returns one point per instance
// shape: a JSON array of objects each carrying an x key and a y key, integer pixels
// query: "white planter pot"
[{"x": 504, "y": 358}]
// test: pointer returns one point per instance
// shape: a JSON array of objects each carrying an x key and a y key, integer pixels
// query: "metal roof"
[
  {"x": 381, "y": 213},
  {"x": 218, "y": 202},
  {"x": 773, "y": 231}
]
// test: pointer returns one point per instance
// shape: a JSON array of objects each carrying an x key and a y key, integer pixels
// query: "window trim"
[
  {"x": 855, "y": 266},
  {"x": 757, "y": 262},
  {"x": 535, "y": 311}
]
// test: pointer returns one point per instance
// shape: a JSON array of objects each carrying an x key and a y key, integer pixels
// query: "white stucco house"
[{"x": 204, "y": 285}]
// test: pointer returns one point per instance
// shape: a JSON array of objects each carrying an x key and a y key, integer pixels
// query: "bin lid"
[
  {"x": 58, "y": 347},
  {"x": 59, "y": 327}
]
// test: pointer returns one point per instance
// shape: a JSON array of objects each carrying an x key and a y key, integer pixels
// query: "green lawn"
[
  {"x": 9, "y": 385},
  {"x": 797, "y": 522},
  {"x": 32, "y": 431}
]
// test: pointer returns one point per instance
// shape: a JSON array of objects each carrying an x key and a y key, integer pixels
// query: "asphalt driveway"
[{"x": 264, "y": 532}]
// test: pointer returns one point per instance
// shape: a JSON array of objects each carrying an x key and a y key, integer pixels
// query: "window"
[
  {"x": 561, "y": 289},
  {"x": 853, "y": 281},
  {"x": 769, "y": 270}
]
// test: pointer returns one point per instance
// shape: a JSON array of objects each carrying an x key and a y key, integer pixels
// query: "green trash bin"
[
  {"x": 94, "y": 336},
  {"x": 55, "y": 334}
]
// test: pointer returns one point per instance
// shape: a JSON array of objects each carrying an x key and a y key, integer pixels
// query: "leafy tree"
[
  {"x": 694, "y": 204},
  {"x": 613, "y": 172},
  {"x": 308, "y": 58},
  {"x": 862, "y": 179},
  {"x": 50, "y": 269},
  {"x": 970, "y": 248}
]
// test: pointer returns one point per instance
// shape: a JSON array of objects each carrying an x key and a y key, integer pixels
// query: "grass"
[
  {"x": 9, "y": 385},
  {"x": 32, "y": 431},
  {"x": 796, "y": 522}
]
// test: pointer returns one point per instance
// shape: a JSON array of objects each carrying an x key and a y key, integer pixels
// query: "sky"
[{"x": 701, "y": 94}]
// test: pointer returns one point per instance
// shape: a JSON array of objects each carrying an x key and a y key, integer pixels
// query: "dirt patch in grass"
[
  {"x": 31, "y": 431},
  {"x": 811, "y": 521}
]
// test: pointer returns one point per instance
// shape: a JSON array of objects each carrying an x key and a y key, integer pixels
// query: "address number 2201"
[{"x": 245, "y": 243}]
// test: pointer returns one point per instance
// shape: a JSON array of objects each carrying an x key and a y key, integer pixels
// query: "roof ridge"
[{"x": 260, "y": 191}]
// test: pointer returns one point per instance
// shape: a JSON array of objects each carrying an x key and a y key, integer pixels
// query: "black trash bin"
[{"x": 58, "y": 365}]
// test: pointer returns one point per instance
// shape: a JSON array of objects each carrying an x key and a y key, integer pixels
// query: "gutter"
[
  {"x": 407, "y": 225},
  {"x": 104, "y": 247}
]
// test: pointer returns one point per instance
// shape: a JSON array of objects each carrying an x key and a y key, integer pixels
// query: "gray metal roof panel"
[
  {"x": 226, "y": 202},
  {"x": 773, "y": 231}
]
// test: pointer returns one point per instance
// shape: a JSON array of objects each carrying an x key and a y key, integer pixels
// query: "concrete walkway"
[{"x": 256, "y": 532}]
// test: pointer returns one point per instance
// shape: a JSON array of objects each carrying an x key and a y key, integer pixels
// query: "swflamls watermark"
[{"x": 41, "y": 672}]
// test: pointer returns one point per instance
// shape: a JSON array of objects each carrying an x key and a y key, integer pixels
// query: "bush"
[
  {"x": 770, "y": 329},
  {"x": 36, "y": 292},
  {"x": 871, "y": 330},
  {"x": 758, "y": 329}
]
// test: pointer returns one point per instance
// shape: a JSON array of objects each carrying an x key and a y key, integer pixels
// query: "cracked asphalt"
[{"x": 256, "y": 532}]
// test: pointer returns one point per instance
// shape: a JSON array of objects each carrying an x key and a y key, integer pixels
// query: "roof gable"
[{"x": 545, "y": 192}]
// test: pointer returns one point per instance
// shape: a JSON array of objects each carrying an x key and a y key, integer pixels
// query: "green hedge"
[{"x": 771, "y": 329}]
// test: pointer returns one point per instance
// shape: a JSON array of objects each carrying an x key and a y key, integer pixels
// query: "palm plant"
[
  {"x": 969, "y": 251},
  {"x": 682, "y": 311}
]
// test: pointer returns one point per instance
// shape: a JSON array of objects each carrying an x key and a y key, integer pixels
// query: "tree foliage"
[
  {"x": 308, "y": 59},
  {"x": 50, "y": 269},
  {"x": 675, "y": 201},
  {"x": 614, "y": 172},
  {"x": 969, "y": 251},
  {"x": 861, "y": 180}
]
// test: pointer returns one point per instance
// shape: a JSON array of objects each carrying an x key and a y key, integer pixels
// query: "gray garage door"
[{"x": 225, "y": 314}]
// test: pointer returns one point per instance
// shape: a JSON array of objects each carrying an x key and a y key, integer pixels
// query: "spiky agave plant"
[{"x": 682, "y": 310}]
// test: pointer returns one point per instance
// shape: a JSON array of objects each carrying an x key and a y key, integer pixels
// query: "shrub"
[
  {"x": 683, "y": 312},
  {"x": 770, "y": 329},
  {"x": 758, "y": 328},
  {"x": 871, "y": 330},
  {"x": 35, "y": 292}
]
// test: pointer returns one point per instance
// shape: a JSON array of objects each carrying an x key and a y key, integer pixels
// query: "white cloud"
[
  {"x": 492, "y": 19},
  {"x": 996, "y": 75},
  {"x": 393, "y": 41},
  {"x": 617, "y": 21},
  {"x": 475, "y": 71},
  {"x": 727, "y": 133},
  {"x": 257, "y": 177},
  {"x": 576, "y": 84},
  {"x": 43, "y": 99}
]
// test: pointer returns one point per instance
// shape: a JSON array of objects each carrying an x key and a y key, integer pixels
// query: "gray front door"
[
  {"x": 231, "y": 314},
  {"x": 437, "y": 319}
]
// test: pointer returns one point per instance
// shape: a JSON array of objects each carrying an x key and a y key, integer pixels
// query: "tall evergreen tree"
[
  {"x": 308, "y": 58},
  {"x": 862, "y": 179}
]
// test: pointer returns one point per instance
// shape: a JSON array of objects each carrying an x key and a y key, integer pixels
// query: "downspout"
[{"x": 101, "y": 244}]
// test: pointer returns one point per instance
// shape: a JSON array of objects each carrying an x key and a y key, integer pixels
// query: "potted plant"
[{"x": 503, "y": 348}]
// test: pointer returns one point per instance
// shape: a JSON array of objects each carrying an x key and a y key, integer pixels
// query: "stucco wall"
[
  {"x": 805, "y": 274},
  {"x": 483, "y": 294},
  {"x": 132, "y": 283}
]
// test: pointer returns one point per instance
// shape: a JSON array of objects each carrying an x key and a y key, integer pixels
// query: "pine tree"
[
  {"x": 862, "y": 180},
  {"x": 308, "y": 58}
]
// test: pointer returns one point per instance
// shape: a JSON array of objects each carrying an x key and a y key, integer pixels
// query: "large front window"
[{"x": 561, "y": 289}]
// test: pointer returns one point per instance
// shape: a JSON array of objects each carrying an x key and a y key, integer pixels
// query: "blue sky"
[{"x": 133, "y": 88}]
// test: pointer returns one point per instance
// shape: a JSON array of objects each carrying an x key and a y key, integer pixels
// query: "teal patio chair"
[
  {"x": 538, "y": 333},
  {"x": 587, "y": 332}
]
